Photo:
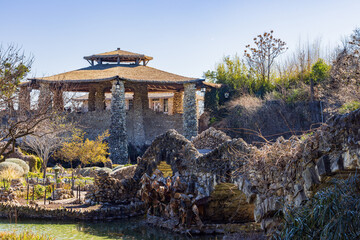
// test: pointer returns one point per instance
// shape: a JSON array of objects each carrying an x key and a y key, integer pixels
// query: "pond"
[{"x": 116, "y": 229}]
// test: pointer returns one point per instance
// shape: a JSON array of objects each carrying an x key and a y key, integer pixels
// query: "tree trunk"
[{"x": 44, "y": 169}]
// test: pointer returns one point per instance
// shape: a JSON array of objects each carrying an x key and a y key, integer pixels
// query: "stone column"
[
  {"x": 118, "y": 138},
  {"x": 100, "y": 98},
  {"x": 44, "y": 96},
  {"x": 58, "y": 101},
  {"x": 24, "y": 99},
  {"x": 190, "y": 120},
  {"x": 140, "y": 104},
  {"x": 91, "y": 99},
  {"x": 177, "y": 103}
]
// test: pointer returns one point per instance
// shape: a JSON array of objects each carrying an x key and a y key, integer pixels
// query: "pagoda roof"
[
  {"x": 118, "y": 55},
  {"x": 126, "y": 72}
]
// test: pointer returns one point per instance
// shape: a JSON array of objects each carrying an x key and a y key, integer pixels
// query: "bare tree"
[
  {"x": 262, "y": 56},
  {"x": 47, "y": 138},
  {"x": 14, "y": 66},
  {"x": 346, "y": 66}
]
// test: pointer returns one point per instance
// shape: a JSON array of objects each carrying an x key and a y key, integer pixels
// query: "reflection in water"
[{"x": 115, "y": 229}]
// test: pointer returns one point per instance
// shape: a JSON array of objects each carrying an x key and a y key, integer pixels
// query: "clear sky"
[{"x": 184, "y": 37}]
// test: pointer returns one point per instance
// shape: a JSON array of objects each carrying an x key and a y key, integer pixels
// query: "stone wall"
[
  {"x": 16, "y": 211},
  {"x": 156, "y": 123},
  {"x": 210, "y": 139}
]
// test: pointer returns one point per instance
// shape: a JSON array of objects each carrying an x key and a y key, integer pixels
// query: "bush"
[
  {"x": 297, "y": 95},
  {"x": 333, "y": 213},
  {"x": 10, "y": 167},
  {"x": 349, "y": 107},
  {"x": 21, "y": 163}
]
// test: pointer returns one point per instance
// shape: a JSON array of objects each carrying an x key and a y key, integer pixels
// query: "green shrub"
[
  {"x": 213, "y": 120},
  {"x": 297, "y": 95},
  {"x": 21, "y": 163},
  {"x": 6, "y": 166},
  {"x": 35, "y": 175},
  {"x": 38, "y": 163},
  {"x": 39, "y": 191},
  {"x": 349, "y": 107},
  {"x": 333, "y": 213}
]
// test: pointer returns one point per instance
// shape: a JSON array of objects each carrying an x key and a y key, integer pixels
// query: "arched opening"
[
  {"x": 228, "y": 204},
  {"x": 165, "y": 169}
]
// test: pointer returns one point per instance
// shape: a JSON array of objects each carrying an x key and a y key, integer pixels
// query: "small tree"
[
  {"x": 232, "y": 72},
  {"x": 319, "y": 72},
  {"x": 85, "y": 150},
  {"x": 262, "y": 57}
]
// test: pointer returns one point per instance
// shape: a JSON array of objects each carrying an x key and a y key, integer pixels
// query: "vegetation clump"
[
  {"x": 21, "y": 163},
  {"x": 26, "y": 235},
  {"x": 333, "y": 213},
  {"x": 349, "y": 107},
  {"x": 10, "y": 169}
]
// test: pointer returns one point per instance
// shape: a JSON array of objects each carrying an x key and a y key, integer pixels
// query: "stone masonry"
[
  {"x": 140, "y": 106},
  {"x": 92, "y": 92},
  {"x": 24, "y": 99},
  {"x": 100, "y": 98},
  {"x": 118, "y": 137},
  {"x": 58, "y": 102},
  {"x": 190, "y": 113},
  {"x": 177, "y": 102},
  {"x": 44, "y": 96}
]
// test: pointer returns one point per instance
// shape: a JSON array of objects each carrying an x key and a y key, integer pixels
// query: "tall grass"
[
  {"x": 26, "y": 235},
  {"x": 333, "y": 213}
]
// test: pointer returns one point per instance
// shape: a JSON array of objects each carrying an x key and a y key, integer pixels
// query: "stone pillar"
[
  {"x": 91, "y": 99},
  {"x": 190, "y": 120},
  {"x": 24, "y": 99},
  {"x": 44, "y": 96},
  {"x": 100, "y": 98},
  {"x": 58, "y": 100},
  {"x": 118, "y": 138},
  {"x": 140, "y": 104},
  {"x": 177, "y": 103}
]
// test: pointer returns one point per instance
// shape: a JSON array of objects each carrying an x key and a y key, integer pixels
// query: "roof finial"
[{"x": 118, "y": 48}]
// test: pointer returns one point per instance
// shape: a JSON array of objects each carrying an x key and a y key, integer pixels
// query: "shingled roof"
[
  {"x": 118, "y": 55},
  {"x": 107, "y": 72}
]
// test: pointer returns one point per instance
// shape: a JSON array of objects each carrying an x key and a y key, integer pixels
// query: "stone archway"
[{"x": 174, "y": 149}]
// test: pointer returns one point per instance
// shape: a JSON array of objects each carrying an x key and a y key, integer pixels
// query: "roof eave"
[{"x": 115, "y": 78}]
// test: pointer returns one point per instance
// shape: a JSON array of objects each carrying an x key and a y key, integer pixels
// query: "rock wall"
[{"x": 15, "y": 211}]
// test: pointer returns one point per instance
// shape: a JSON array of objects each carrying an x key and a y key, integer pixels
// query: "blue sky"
[{"x": 184, "y": 37}]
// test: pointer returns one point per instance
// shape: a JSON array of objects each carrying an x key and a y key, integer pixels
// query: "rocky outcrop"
[
  {"x": 7, "y": 196},
  {"x": 124, "y": 172},
  {"x": 108, "y": 189},
  {"x": 60, "y": 194}
]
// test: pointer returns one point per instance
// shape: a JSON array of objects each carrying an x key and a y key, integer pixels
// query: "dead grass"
[{"x": 248, "y": 102}]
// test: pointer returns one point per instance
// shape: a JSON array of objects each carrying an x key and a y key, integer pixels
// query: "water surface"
[{"x": 116, "y": 229}]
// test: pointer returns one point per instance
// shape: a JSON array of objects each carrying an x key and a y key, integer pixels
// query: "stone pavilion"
[{"x": 119, "y": 72}]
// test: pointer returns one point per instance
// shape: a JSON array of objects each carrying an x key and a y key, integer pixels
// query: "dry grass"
[
  {"x": 8, "y": 174},
  {"x": 23, "y": 236},
  {"x": 250, "y": 103}
]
